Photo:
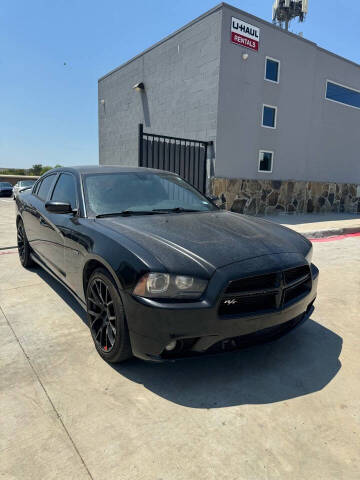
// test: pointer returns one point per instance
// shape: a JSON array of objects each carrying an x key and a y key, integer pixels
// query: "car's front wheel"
[
  {"x": 106, "y": 318},
  {"x": 23, "y": 246}
]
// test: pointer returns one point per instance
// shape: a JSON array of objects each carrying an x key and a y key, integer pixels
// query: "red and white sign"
[{"x": 245, "y": 34}]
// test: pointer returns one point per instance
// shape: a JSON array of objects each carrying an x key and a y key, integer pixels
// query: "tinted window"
[
  {"x": 115, "y": 192},
  {"x": 343, "y": 95},
  {"x": 272, "y": 70},
  {"x": 45, "y": 186},
  {"x": 265, "y": 161},
  {"x": 36, "y": 187},
  {"x": 269, "y": 117},
  {"x": 5, "y": 184},
  {"x": 65, "y": 190}
]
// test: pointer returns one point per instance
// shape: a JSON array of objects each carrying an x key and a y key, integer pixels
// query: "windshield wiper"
[
  {"x": 175, "y": 210},
  {"x": 125, "y": 213}
]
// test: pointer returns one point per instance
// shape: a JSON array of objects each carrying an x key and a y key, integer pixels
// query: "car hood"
[{"x": 209, "y": 240}]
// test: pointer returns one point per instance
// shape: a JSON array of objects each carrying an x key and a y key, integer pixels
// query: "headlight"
[
  {"x": 309, "y": 255},
  {"x": 164, "y": 285}
]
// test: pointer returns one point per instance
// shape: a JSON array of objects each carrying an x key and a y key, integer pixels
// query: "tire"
[
  {"x": 106, "y": 318},
  {"x": 24, "y": 248}
]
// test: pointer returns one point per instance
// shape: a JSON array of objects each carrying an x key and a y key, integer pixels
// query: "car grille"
[{"x": 265, "y": 293}]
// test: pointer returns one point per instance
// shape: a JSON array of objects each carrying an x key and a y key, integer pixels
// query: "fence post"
[
  {"x": 141, "y": 144},
  {"x": 209, "y": 168}
]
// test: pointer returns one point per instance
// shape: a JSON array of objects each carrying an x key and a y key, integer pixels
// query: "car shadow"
[
  {"x": 300, "y": 363},
  {"x": 63, "y": 293}
]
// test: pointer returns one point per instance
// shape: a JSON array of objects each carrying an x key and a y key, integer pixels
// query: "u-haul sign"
[{"x": 245, "y": 34}]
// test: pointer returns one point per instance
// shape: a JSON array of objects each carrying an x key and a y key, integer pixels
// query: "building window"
[
  {"x": 266, "y": 161},
  {"x": 272, "y": 70},
  {"x": 269, "y": 116},
  {"x": 340, "y": 94}
]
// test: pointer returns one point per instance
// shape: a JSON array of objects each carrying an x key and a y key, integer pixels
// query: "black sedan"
[
  {"x": 161, "y": 270},
  {"x": 6, "y": 189}
]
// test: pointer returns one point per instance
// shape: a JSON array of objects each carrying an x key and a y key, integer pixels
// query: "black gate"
[{"x": 183, "y": 156}]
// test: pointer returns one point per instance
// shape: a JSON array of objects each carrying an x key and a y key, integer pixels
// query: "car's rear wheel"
[
  {"x": 24, "y": 248},
  {"x": 106, "y": 318}
]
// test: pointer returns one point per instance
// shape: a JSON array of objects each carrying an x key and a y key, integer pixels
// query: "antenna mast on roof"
[{"x": 286, "y": 10}]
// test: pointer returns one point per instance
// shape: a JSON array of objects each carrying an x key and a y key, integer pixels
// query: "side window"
[
  {"x": 65, "y": 190},
  {"x": 272, "y": 70},
  {"x": 45, "y": 186},
  {"x": 344, "y": 95},
  {"x": 36, "y": 188},
  {"x": 269, "y": 115},
  {"x": 265, "y": 161}
]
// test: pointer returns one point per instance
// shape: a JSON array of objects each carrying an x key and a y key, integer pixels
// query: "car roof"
[{"x": 88, "y": 169}]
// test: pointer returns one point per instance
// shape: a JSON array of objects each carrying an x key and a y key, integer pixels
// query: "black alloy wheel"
[
  {"x": 23, "y": 246},
  {"x": 106, "y": 318}
]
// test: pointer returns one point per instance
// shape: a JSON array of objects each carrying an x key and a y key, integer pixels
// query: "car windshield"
[
  {"x": 26, "y": 183},
  {"x": 129, "y": 192},
  {"x": 5, "y": 184}
]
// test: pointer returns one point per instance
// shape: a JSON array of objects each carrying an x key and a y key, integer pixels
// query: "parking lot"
[{"x": 287, "y": 410}]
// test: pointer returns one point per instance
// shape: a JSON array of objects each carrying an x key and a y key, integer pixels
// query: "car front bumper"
[
  {"x": 197, "y": 326},
  {"x": 6, "y": 193}
]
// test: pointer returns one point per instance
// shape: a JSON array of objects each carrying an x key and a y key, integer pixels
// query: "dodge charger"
[{"x": 161, "y": 270}]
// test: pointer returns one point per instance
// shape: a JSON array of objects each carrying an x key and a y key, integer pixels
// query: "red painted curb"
[{"x": 334, "y": 238}]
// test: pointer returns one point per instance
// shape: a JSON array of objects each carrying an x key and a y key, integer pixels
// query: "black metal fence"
[{"x": 183, "y": 156}]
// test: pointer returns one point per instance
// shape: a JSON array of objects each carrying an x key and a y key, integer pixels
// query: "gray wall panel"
[
  {"x": 315, "y": 139},
  {"x": 181, "y": 92}
]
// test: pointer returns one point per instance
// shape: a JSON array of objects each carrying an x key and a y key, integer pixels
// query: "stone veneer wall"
[{"x": 266, "y": 197}]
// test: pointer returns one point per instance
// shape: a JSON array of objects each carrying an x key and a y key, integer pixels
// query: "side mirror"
[
  {"x": 215, "y": 199},
  {"x": 212, "y": 198},
  {"x": 58, "y": 207}
]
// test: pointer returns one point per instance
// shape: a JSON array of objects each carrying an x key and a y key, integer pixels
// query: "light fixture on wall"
[
  {"x": 102, "y": 101},
  {"x": 245, "y": 56},
  {"x": 139, "y": 87}
]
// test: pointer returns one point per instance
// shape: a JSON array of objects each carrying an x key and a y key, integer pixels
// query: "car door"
[
  {"x": 30, "y": 215},
  {"x": 60, "y": 248},
  {"x": 38, "y": 230}
]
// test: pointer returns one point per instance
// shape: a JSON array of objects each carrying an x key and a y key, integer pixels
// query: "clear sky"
[{"x": 52, "y": 53}]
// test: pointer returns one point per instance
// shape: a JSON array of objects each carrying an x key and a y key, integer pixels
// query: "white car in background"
[{"x": 22, "y": 185}]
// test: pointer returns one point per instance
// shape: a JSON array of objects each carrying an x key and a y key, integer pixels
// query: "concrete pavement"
[
  {"x": 284, "y": 410},
  {"x": 7, "y": 223},
  {"x": 320, "y": 225}
]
